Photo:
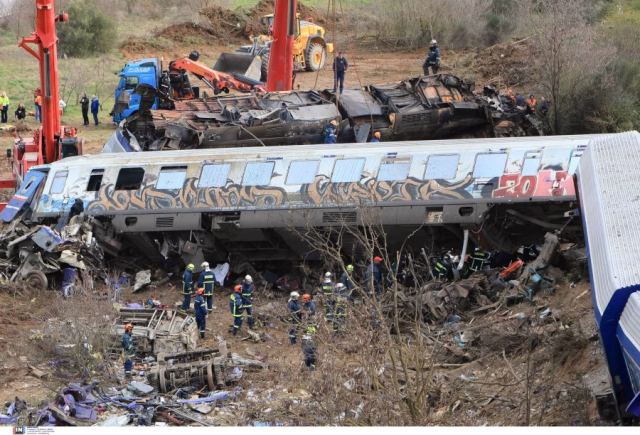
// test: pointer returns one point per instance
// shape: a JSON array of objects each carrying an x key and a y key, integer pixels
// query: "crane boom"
[{"x": 280, "y": 75}]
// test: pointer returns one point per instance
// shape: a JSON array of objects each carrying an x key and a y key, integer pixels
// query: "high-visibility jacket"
[
  {"x": 187, "y": 282},
  {"x": 532, "y": 103},
  {"x": 235, "y": 304},
  {"x": 207, "y": 280},
  {"x": 327, "y": 288},
  {"x": 478, "y": 260},
  {"x": 247, "y": 294}
]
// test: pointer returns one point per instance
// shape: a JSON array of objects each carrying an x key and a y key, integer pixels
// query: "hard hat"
[
  {"x": 248, "y": 278},
  {"x": 190, "y": 266},
  {"x": 311, "y": 329},
  {"x": 237, "y": 288},
  {"x": 434, "y": 42},
  {"x": 339, "y": 286},
  {"x": 334, "y": 122},
  {"x": 377, "y": 134},
  {"x": 128, "y": 327},
  {"x": 349, "y": 267},
  {"x": 200, "y": 291},
  {"x": 327, "y": 275},
  {"x": 377, "y": 259},
  {"x": 306, "y": 297},
  {"x": 294, "y": 295},
  {"x": 204, "y": 264}
]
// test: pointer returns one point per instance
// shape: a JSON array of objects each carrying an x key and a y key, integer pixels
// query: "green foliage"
[{"x": 88, "y": 32}]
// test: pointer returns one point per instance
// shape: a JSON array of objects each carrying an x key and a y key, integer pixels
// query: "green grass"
[{"x": 319, "y": 4}]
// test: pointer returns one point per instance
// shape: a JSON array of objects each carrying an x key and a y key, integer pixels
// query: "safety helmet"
[
  {"x": 190, "y": 266},
  {"x": 434, "y": 42},
  {"x": 294, "y": 295},
  {"x": 334, "y": 122},
  {"x": 339, "y": 286},
  {"x": 128, "y": 327},
  {"x": 237, "y": 288},
  {"x": 349, "y": 267},
  {"x": 306, "y": 297},
  {"x": 327, "y": 275},
  {"x": 377, "y": 259},
  {"x": 311, "y": 329},
  {"x": 204, "y": 265},
  {"x": 200, "y": 291},
  {"x": 248, "y": 278},
  {"x": 377, "y": 134}
]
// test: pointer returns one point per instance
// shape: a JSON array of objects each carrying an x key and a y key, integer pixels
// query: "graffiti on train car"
[{"x": 547, "y": 183}]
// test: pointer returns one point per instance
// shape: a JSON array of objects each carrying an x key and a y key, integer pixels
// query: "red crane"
[
  {"x": 280, "y": 76},
  {"x": 51, "y": 141}
]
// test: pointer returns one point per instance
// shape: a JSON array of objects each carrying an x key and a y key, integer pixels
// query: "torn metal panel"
[
  {"x": 47, "y": 239},
  {"x": 359, "y": 103}
]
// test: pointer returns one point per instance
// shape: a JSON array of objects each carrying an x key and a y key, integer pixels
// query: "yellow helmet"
[{"x": 190, "y": 266}]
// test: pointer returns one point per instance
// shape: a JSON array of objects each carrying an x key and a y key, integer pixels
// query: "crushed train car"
[{"x": 430, "y": 107}]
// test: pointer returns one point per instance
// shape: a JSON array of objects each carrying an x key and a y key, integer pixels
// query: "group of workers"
[
  {"x": 21, "y": 112},
  {"x": 528, "y": 105},
  {"x": 330, "y": 133}
]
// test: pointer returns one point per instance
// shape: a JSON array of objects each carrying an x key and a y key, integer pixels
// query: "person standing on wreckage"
[
  {"x": 206, "y": 280},
  {"x": 128, "y": 349},
  {"x": 200, "y": 307},
  {"x": 187, "y": 286}
]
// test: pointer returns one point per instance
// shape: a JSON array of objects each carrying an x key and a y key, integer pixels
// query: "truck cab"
[{"x": 143, "y": 71}]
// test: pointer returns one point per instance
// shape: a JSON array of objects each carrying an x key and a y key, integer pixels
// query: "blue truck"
[{"x": 127, "y": 101}]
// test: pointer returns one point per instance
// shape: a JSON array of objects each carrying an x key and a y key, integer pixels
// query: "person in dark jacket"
[
  {"x": 128, "y": 349},
  {"x": 235, "y": 306},
  {"x": 95, "y": 108},
  {"x": 200, "y": 307},
  {"x": 84, "y": 103},
  {"x": 77, "y": 208},
  {"x": 340, "y": 66},
  {"x": 345, "y": 280},
  {"x": 376, "y": 137},
  {"x": 309, "y": 349},
  {"x": 206, "y": 280},
  {"x": 20, "y": 112},
  {"x": 330, "y": 132},
  {"x": 308, "y": 308},
  {"x": 295, "y": 310},
  {"x": 247, "y": 299},
  {"x": 433, "y": 59},
  {"x": 187, "y": 286},
  {"x": 373, "y": 276}
]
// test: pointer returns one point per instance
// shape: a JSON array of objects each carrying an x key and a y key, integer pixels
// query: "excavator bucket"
[{"x": 243, "y": 66}]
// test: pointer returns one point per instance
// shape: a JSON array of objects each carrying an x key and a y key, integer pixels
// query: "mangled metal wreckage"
[
  {"x": 431, "y": 107},
  {"x": 247, "y": 205}
]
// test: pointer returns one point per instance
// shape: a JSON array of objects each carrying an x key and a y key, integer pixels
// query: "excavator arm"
[{"x": 218, "y": 81}]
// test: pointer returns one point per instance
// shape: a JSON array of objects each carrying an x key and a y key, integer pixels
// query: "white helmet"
[
  {"x": 248, "y": 278},
  {"x": 294, "y": 295},
  {"x": 327, "y": 275},
  {"x": 205, "y": 265},
  {"x": 434, "y": 42},
  {"x": 339, "y": 286}
]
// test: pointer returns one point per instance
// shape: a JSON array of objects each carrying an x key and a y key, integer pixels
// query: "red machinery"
[
  {"x": 51, "y": 141},
  {"x": 280, "y": 77}
]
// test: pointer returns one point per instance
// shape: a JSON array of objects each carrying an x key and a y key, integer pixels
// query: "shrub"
[{"x": 89, "y": 31}]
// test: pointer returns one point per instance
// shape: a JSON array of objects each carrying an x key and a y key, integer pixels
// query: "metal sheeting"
[
  {"x": 314, "y": 113},
  {"x": 608, "y": 177},
  {"x": 358, "y": 103}
]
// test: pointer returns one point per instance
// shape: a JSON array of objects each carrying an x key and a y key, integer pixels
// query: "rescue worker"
[
  {"x": 433, "y": 59},
  {"x": 521, "y": 103},
  {"x": 95, "y": 108},
  {"x": 4, "y": 107},
  {"x": 200, "y": 307},
  {"x": 308, "y": 307},
  {"x": 37, "y": 103},
  {"x": 510, "y": 96},
  {"x": 128, "y": 349},
  {"x": 207, "y": 280},
  {"x": 373, "y": 276},
  {"x": 296, "y": 315},
  {"x": 247, "y": 299},
  {"x": 20, "y": 112},
  {"x": 544, "y": 106},
  {"x": 84, "y": 103},
  {"x": 376, "y": 137},
  {"x": 340, "y": 66},
  {"x": 532, "y": 103},
  {"x": 340, "y": 311},
  {"x": 440, "y": 269},
  {"x": 187, "y": 286},
  {"x": 309, "y": 350},
  {"x": 330, "y": 132},
  {"x": 346, "y": 280},
  {"x": 328, "y": 299},
  {"x": 235, "y": 306},
  {"x": 478, "y": 260}
]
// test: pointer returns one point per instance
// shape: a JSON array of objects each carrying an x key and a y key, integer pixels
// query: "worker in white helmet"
[
  {"x": 295, "y": 310},
  {"x": 433, "y": 59},
  {"x": 207, "y": 280},
  {"x": 247, "y": 299}
]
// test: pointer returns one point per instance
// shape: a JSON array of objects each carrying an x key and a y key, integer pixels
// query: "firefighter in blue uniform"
[
  {"x": 247, "y": 299},
  {"x": 200, "y": 307},
  {"x": 128, "y": 349},
  {"x": 340, "y": 310},
  {"x": 207, "y": 280},
  {"x": 478, "y": 259},
  {"x": 346, "y": 280},
  {"x": 328, "y": 298},
  {"x": 235, "y": 306},
  {"x": 187, "y": 286},
  {"x": 295, "y": 310}
]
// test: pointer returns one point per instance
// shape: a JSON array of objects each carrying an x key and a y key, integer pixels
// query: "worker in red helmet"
[
  {"x": 373, "y": 276},
  {"x": 308, "y": 307},
  {"x": 128, "y": 349},
  {"x": 235, "y": 306},
  {"x": 200, "y": 307}
]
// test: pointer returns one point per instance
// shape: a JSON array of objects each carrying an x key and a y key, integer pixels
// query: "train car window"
[
  {"x": 442, "y": 167},
  {"x": 393, "y": 171},
  {"x": 129, "y": 179},
  {"x": 531, "y": 164},
  {"x": 59, "y": 180},
  {"x": 489, "y": 165},
  {"x": 574, "y": 161},
  {"x": 302, "y": 171},
  {"x": 95, "y": 180},
  {"x": 171, "y": 178},
  {"x": 347, "y": 170},
  {"x": 214, "y": 175},
  {"x": 258, "y": 174}
]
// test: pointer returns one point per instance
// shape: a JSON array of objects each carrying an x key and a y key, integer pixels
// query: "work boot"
[
  {"x": 202, "y": 334},
  {"x": 235, "y": 331}
]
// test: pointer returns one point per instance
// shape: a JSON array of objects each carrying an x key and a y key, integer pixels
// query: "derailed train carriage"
[
  {"x": 247, "y": 202},
  {"x": 431, "y": 107}
]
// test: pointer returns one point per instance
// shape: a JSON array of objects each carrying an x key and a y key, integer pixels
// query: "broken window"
[
  {"x": 531, "y": 164},
  {"x": 59, "y": 180},
  {"x": 95, "y": 180},
  {"x": 393, "y": 171},
  {"x": 442, "y": 167},
  {"x": 258, "y": 174},
  {"x": 131, "y": 82},
  {"x": 302, "y": 171},
  {"x": 347, "y": 170},
  {"x": 489, "y": 165},
  {"x": 171, "y": 178},
  {"x": 129, "y": 179},
  {"x": 214, "y": 175}
]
